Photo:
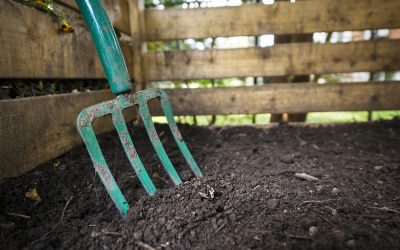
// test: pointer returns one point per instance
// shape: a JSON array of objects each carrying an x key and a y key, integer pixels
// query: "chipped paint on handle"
[
  {"x": 115, "y": 69},
  {"x": 107, "y": 45}
]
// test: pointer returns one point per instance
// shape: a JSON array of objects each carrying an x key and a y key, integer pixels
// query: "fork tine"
[
  {"x": 177, "y": 135},
  {"x": 155, "y": 141},
  {"x": 130, "y": 151},
  {"x": 102, "y": 169}
]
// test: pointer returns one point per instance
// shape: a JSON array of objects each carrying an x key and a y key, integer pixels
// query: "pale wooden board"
[
  {"x": 31, "y": 46},
  {"x": 117, "y": 11},
  {"x": 36, "y": 130},
  {"x": 278, "y": 60},
  {"x": 278, "y": 18},
  {"x": 285, "y": 98}
]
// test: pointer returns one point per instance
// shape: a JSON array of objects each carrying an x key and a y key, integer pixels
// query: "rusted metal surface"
[
  {"x": 114, "y": 108},
  {"x": 105, "y": 174}
]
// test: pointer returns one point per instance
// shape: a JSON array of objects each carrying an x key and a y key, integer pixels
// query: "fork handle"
[{"x": 107, "y": 45}]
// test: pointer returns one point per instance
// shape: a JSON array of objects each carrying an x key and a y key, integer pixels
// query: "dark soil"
[
  {"x": 258, "y": 202},
  {"x": 18, "y": 88}
]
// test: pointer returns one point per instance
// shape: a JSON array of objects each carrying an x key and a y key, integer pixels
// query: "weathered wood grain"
[
  {"x": 285, "y": 98},
  {"x": 31, "y": 46},
  {"x": 36, "y": 130},
  {"x": 117, "y": 11},
  {"x": 278, "y": 60},
  {"x": 278, "y": 18}
]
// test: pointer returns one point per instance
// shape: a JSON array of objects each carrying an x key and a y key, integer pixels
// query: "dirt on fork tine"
[{"x": 249, "y": 198}]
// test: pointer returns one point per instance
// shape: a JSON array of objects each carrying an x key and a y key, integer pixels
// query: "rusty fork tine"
[
  {"x": 102, "y": 169},
  {"x": 177, "y": 135},
  {"x": 130, "y": 151},
  {"x": 157, "y": 145}
]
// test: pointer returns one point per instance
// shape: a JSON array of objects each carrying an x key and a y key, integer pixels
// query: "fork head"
[{"x": 114, "y": 108}]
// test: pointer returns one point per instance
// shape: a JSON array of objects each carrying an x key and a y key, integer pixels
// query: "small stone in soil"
[
  {"x": 351, "y": 243},
  {"x": 338, "y": 234},
  {"x": 288, "y": 159},
  {"x": 306, "y": 177},
  {"x": 313, "y": 231}
]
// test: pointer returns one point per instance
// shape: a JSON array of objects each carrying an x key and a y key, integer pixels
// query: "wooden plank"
[
  {"x": 281, "y": 59},
  {"x": 31, "y": 46},
  {"x": 117, "y": 11},
  {"x": 127, "y": 52},
  {"x": 278, "y": 18},
  {"x": 284, "y": 98},
  {"x": 36, "y": 130},
  {"x": 136, "y": 9}
]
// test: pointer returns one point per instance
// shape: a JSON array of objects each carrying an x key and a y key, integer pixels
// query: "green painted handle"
[{"x": 106, "y": 44}]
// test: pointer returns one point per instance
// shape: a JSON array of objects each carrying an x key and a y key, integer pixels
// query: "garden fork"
[{"x": 117, "y": 75}]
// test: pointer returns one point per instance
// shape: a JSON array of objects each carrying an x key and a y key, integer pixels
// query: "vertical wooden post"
[
  {"x": 289, "y": 38},
  {"x": 137, "y": 23}
]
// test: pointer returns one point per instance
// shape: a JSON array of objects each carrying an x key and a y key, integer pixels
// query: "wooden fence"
[{"x": 35, "y": 130}]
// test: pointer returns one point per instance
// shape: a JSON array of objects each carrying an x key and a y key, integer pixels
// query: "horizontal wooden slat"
[
  {"x": 117, "y": 11},
  {"x": 35, "y": 130},
  {"x": 278, "y": 18},
  {"x": 31, "y": 46},
  {"x": 281, "y": 59},
  {"x": 281, "y": 98}
]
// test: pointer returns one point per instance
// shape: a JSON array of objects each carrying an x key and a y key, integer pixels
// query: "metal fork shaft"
[{"x": 107, "y": 45}]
